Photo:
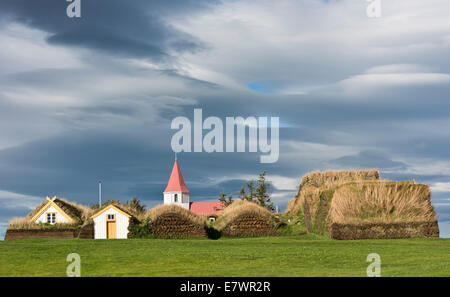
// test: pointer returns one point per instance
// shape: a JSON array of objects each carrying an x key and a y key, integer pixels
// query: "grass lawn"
[{"x": 306, "y": 255}]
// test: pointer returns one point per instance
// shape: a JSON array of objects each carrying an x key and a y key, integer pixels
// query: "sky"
[{"x": 92, "y": 98}]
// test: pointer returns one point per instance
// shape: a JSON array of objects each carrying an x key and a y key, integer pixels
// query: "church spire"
[{"x": 176, "y": 181}]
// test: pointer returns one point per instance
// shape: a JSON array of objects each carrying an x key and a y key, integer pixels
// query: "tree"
[
  {"x": 135, "y": 204},
  {"x": 262, "y": 192},
  {"x": 104, "y": 203},
  {"x": 259, "y": 194},
  {"x": 224, "y": 200},
  {"x": 243, "y": 194},
  {"x": 251, "y": 190}
]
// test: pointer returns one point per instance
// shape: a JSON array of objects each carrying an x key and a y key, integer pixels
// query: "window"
[
  {"x": 176, "y": 197},
  {"x": 51, "y": 218},
  {"x": 111, "y": 217}
]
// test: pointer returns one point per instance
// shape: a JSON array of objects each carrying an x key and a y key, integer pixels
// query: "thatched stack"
[
  {"x": 173, "y": 221},
  {"x": 357, "y": 204},
  {"x": 244, "y": 218},
  {"x": 311, "y": 205},
  {"x": 382, "y": 209}
]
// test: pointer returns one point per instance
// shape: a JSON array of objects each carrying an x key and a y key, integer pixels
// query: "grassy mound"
[
  {"x": 173, "y": 221},
  {"x": 245, "y": 218}
]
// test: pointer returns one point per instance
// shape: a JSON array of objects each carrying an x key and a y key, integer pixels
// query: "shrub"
[{"x": 138, "y": 229}]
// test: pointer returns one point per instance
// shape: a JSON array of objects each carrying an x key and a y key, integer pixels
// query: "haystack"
[
  {"x": 245, "y": 218},
  {"x": 175, "y": 221},
  {"x": 357, "y": 205},
  {"x": 311, "y": 205},
  {"x": 382, "y": 209}
]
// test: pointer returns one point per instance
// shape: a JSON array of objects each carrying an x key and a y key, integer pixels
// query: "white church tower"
[{"x": 176, "y": 191}]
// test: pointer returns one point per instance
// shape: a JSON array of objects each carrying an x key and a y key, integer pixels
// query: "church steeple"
[{"x": 176, "y": 181}]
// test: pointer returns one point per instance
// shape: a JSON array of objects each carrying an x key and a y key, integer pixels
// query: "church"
[{"x": 177, "y": 193}]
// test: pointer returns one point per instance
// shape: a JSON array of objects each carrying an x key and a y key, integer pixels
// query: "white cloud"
[
  {"x": 284, "y": 182},
  {"x": 15, "y": 200},
  {"x": 282, "y": 198},
  {"x": 398, "y": 68},
  {"x": 306, "y": 44},
  {"x": 368, "y": 82},
  {"x": 441, "y": 187},
  {"x": 423, "y": 167},
  {"x": 24, "y": 49}
]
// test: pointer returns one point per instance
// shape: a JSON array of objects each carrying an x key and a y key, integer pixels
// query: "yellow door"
[{"x": 111, "y": 229}]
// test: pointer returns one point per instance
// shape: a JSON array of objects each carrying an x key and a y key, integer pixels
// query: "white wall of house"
[
  {"x": 182, "y": 199},
  {"x": 122, "y": 223},
  {"x": 59, "y": 217}
]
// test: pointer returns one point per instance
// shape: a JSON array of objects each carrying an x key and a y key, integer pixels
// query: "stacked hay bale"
[
  {"x": 358, "y": 205},
  {"x": 311, "y": 205},
  {"x": 382, "y": 209},
  {"x": 173, "y": 221},
  {"x": 245, "y": 218}
]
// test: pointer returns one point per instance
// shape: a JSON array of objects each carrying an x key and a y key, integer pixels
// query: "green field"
[{"x": 307, "y": 255}]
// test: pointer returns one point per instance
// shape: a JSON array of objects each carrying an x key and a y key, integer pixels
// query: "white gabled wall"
[
  {"x": 183, "y": 199},
  {"x": 122, "y": 223},
  {"x": 60, "y": 218}
]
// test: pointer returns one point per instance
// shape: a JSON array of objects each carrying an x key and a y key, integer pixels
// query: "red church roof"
[
  {"x": 206, "y": 208},
  {"x": 176, "y": 182}
]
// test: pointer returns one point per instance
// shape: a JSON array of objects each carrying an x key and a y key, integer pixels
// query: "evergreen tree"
[
  {"x": 251, "y": 190},
  {"x": 224, "y": 200},
  {"x": 243, "y": 194},
  {"x": 259, "y": 194},
  {"x": 262, "y": 192},
  {"x": 136, "y": 205}
]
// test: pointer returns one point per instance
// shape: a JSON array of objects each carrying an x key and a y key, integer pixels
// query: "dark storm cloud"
[{"x": 126, "y": 28}]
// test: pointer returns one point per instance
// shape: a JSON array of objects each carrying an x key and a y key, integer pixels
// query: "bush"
[{"x": 139, "y": 229}]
